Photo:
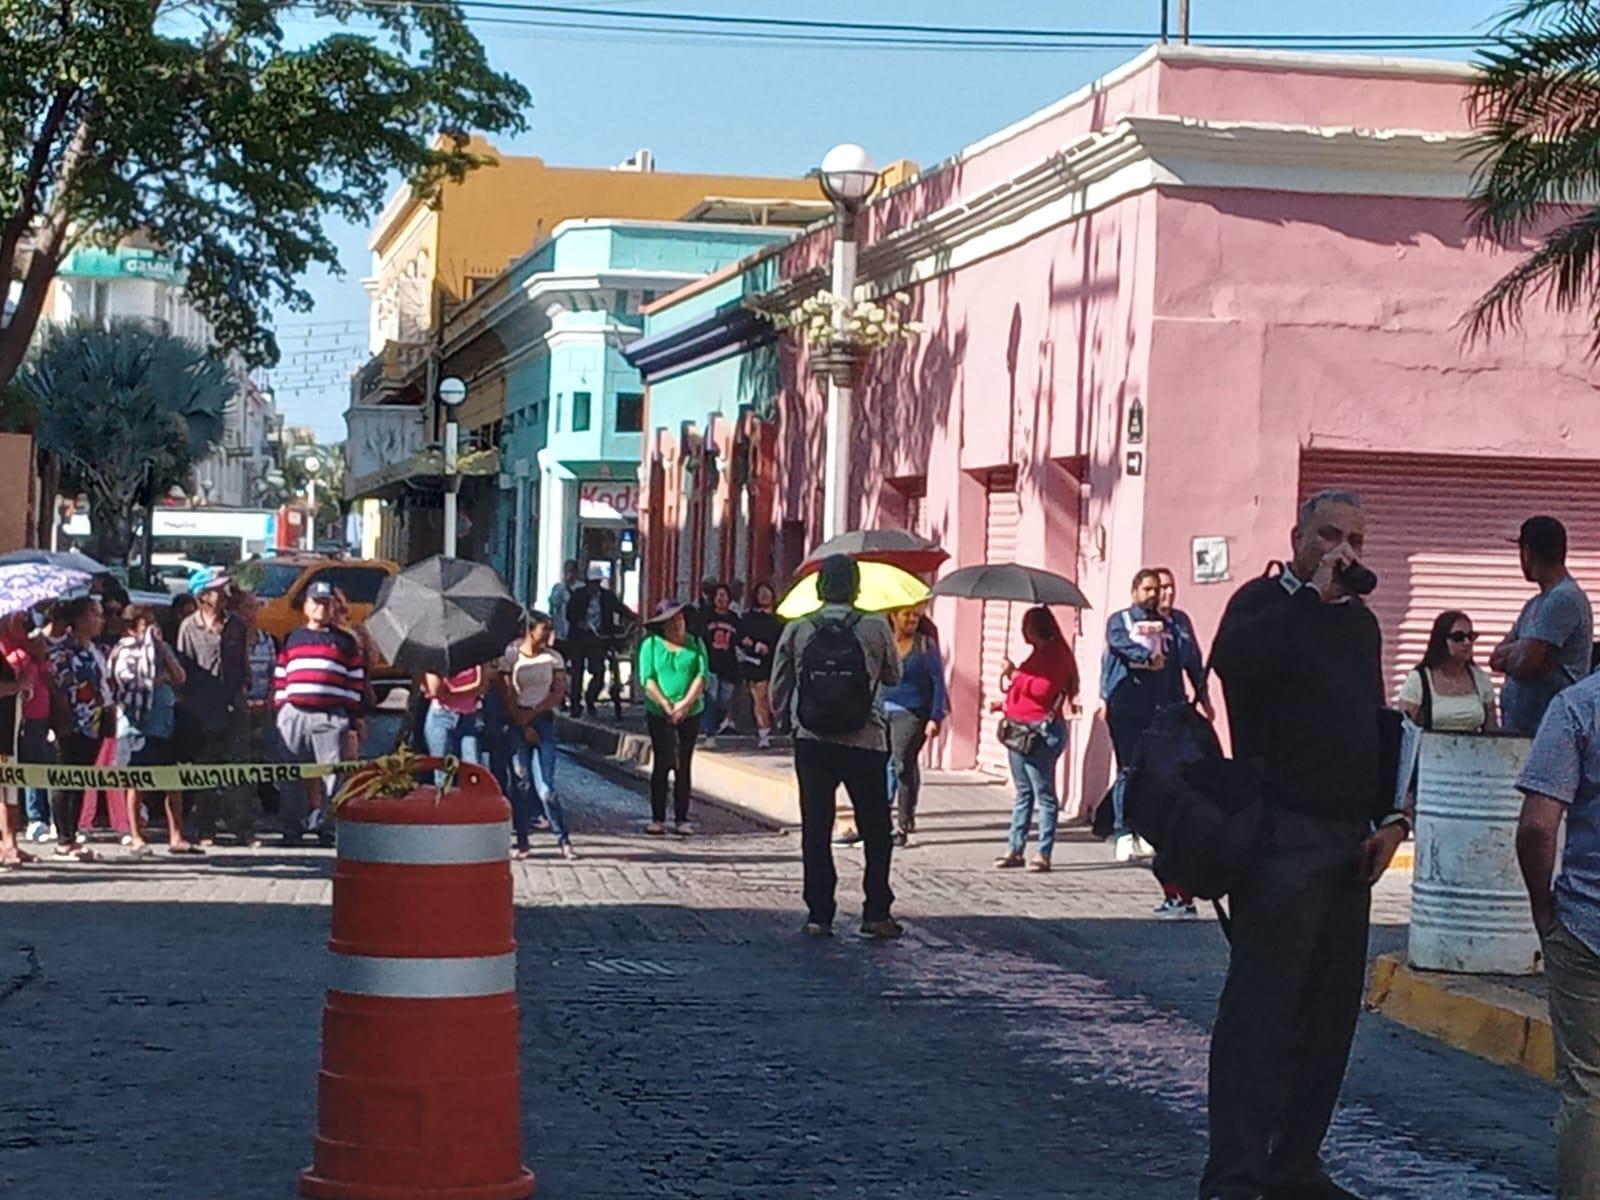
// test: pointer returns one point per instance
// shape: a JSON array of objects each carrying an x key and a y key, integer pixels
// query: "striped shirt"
[{"x": 321, "y": 669}]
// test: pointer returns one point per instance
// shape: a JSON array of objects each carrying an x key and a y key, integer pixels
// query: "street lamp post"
[
  {"x": 452, "y": 394},
  {"x": 313, "y": 464},
  {"x": 848, "y": 176}
]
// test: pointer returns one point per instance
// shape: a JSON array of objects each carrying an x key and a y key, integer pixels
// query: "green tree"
[
  {"x": 108, "y": 401},
  {"x": 1536, "y": 106},
  {"x": 202, "y": 126}
]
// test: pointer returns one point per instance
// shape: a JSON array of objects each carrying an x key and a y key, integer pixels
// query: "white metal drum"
[{"x": 1469, "y": 910}]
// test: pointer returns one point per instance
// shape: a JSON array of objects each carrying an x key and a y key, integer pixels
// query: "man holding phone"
[{"x": 1298, "y": 656}]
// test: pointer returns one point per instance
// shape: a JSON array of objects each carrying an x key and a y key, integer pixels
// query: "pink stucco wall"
[
  {"x": 1251, "y": 324},
  {"x": 1359, "y": 347}
]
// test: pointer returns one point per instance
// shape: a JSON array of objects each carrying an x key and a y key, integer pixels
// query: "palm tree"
[
  {"x": 110, "y": 401},
  {"x": 1536, "y": 105}
]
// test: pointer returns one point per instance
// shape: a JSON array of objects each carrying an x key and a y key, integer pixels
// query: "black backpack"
[{"x": 836, "y": 691}]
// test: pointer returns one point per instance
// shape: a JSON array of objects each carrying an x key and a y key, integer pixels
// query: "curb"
[
  {"x": 766, "y": 797},
  {"x": 1490, "y": 1020}
]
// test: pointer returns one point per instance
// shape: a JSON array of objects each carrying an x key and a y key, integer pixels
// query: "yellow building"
[{"x": 427, "y": 258}]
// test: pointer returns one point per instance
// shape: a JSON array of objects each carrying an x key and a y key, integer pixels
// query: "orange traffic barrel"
[{"x": 419, "y": 1096}]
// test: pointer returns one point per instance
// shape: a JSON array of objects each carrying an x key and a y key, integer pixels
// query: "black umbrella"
[
  {"x": 896, "y": 547},
  {"x": 1011, "y": 581},
  {"x": 69, "y": 560},
  {"x": 444, "y": 615}
]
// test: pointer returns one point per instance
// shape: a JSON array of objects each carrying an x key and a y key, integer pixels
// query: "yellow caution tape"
[{"x": 184, "y": 777}]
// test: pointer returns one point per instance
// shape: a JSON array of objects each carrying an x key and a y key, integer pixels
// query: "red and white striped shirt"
[{"x": 321, "y": 669}]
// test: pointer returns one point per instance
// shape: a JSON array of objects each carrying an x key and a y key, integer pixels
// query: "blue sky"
[{"x": 703, "y": 106}]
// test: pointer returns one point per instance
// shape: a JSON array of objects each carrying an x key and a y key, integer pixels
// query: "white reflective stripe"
[
  {"x": 424, "y": 978},
  {"x": 424, "y": 845}
]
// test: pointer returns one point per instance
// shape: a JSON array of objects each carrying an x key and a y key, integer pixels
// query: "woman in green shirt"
[{"x": 673, "y": 671}]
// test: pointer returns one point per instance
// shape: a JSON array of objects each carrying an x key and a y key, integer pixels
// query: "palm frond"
[{"x": 1564, "y": 270}]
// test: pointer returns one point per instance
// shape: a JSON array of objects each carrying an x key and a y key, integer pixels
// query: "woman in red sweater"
[{"x": 1035, "y": 733}]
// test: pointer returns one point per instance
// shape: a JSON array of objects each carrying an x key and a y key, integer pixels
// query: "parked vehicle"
[{"x": 280, "y": 583}]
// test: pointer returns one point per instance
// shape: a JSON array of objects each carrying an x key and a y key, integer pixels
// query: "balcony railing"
[{"x": 388, "y": 371}]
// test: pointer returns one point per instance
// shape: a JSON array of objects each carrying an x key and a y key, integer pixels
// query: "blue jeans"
[
  {"x": 719, "y": 699},
  {"x": 1035, "y": 778},
  {"x": 533, "y": 782},
  {"x": 453, "y": 734},
  {"x": 34, "y": 747}
]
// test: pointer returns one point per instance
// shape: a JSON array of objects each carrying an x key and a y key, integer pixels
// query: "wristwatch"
[{"x": 1396, "y": 818}]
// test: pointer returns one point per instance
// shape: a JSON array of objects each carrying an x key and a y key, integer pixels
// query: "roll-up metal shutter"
[
  {"x": 1439, "y": 531},
  {"x": 1001, "y": 518}
]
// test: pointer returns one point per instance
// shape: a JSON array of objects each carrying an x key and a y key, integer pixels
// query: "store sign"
[
  {"x": 120, "y": 264},
  {"x": 608, "y": 502}
]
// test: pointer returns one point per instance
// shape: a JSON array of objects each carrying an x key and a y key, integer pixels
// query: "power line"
[{"x": 688, "y": 26}]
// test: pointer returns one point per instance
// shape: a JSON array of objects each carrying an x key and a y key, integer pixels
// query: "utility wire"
[{"x": 684, "y": 26}]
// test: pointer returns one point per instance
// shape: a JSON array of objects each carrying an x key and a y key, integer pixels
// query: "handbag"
[{"x": 1025, "y": 737}]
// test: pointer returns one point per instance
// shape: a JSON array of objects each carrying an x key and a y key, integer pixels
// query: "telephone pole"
[{"x": 1183, "y": 21}]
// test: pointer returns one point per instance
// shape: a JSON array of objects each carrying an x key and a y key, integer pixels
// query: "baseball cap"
[
  {"x": 320, "y": 589},
  {"x": 1545, "y": 536}
]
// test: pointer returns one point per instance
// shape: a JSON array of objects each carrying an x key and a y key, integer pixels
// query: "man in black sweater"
[{"x": 1298, "y": 655}]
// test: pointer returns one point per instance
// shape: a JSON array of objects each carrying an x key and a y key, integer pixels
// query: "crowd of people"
[{"x": 95, "y": 680}]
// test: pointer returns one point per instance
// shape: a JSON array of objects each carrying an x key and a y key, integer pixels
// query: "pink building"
[{"x": 1160, "y": 312}]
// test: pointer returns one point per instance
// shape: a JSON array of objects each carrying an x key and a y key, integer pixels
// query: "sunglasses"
[{"x": 1463, "y": 638}]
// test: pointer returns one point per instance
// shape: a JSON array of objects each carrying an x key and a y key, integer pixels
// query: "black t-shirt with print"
[{"x": 722, "y": 643}]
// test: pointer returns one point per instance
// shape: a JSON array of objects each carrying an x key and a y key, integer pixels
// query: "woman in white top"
[
  {"x": 534, "y": 679},
  {"x": 1448, "y": 691}
]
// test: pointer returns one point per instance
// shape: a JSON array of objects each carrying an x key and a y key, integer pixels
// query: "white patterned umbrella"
[{"x": 24, "y": 585}]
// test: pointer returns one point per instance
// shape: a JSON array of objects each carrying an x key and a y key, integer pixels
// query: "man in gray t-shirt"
[
  {"x": 1548, "y": 648},
  {"x": 1561, "y": 781}
]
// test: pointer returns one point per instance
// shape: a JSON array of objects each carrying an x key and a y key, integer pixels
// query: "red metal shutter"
[
  {"x": 1439, "y": 530},
  {"x": 1001, "y": 518}
]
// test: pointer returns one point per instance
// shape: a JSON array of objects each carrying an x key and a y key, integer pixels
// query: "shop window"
[
  {"x": 582, "y": 402},
  {"x": 630, "y": 412}
]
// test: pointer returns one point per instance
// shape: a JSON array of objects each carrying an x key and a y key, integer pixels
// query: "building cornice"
[{"x": 1140, "y": 153}]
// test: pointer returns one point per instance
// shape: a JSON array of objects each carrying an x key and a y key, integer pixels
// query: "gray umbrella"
[
  {"x": 444, "y": 615},
  {"x": 1011, "y": 581},
  {"x": 69, "y": 560}
]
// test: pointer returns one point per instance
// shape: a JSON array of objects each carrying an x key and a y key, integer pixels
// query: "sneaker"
[
  {"x": 1125, "y": 847},
  {"x": 683, "y": 829},
  {"x": 728, "y": 729},
  {"x": 764, "y": 740},
  {"x": 816, "y": 929},
  {"x": 900, "y": 839},
  {"x": 1175, "y": 910},
  {"x": 655, "y": 829},
  {"x": 881, "y": 931},
  {"x": 709, "y": 741},
  {"x": 37, "y": 831},
  {"x": 850, "y": 837}
]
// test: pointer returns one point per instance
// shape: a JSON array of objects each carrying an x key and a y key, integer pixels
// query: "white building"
[{"x": 132, "y": 283}]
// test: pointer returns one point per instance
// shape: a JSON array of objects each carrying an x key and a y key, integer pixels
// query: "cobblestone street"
[{"x": 1030, "y": 1037}]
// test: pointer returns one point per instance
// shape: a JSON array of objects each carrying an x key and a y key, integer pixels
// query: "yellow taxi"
[{"x": 280, "y": 583}]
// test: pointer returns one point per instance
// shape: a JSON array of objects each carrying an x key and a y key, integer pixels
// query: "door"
[
  {"x": 1440, "y": 531},
  {"x": 1001, "y": 516}
]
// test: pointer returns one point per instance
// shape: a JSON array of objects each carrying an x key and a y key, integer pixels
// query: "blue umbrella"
[
  {"x": 72, "y": 560},
  {"x": 24, "y": 585}
]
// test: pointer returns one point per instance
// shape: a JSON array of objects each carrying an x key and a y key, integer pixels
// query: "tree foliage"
[
  {"x": 109, "y": 401},
  {"x": 204, "y": 126},
  {"x": 1536, "y": 106}
]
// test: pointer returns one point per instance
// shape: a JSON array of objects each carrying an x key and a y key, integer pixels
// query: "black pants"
[
  {"x": 821, "y": 767},
  {"x": 587, "y": 651},
  {"x": 671, "y": 752},
  {"x": 66, "y": 807},
  {"x": 1289, "y": 1008},
  {"x": 907, "y": 733}
]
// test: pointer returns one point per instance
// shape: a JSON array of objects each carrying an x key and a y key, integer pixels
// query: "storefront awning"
[{"x": 727, "y": 331}]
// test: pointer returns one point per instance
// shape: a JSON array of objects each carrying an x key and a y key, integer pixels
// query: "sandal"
[
  {"x": 142, "y": 850},
  {"x": 1039, "y": 865},
  {"x": 85, "y": 855},
  {"x": 567, "y": 852},
  {"x": 185, "y": 848},
  {"x": 522, "y": 852},
  {"x": 1008, "y": 861}
]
